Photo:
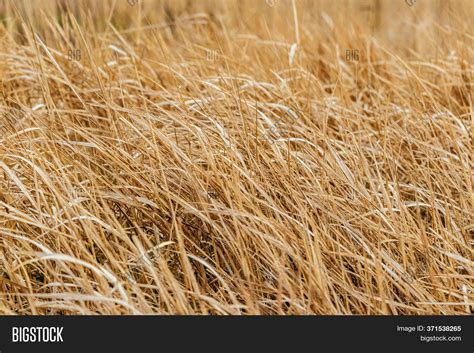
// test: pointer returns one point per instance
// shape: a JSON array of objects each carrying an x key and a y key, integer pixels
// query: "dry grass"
[{"x": 231, "y": 157}]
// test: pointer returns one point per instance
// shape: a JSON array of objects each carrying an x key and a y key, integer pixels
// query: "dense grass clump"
[{"x": 236, "y": 157}]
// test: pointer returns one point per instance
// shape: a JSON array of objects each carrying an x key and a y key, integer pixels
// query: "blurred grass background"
[{"x": 427, "y": 26}]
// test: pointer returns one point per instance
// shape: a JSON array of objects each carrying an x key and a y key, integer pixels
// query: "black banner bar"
[{"x": 208, "y": 334}]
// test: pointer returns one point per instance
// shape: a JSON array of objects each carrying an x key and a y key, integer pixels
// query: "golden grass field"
[{"x": 236, "y": 157}]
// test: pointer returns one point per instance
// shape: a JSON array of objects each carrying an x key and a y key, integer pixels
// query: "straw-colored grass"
[{"x": 236, "y": 157}]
